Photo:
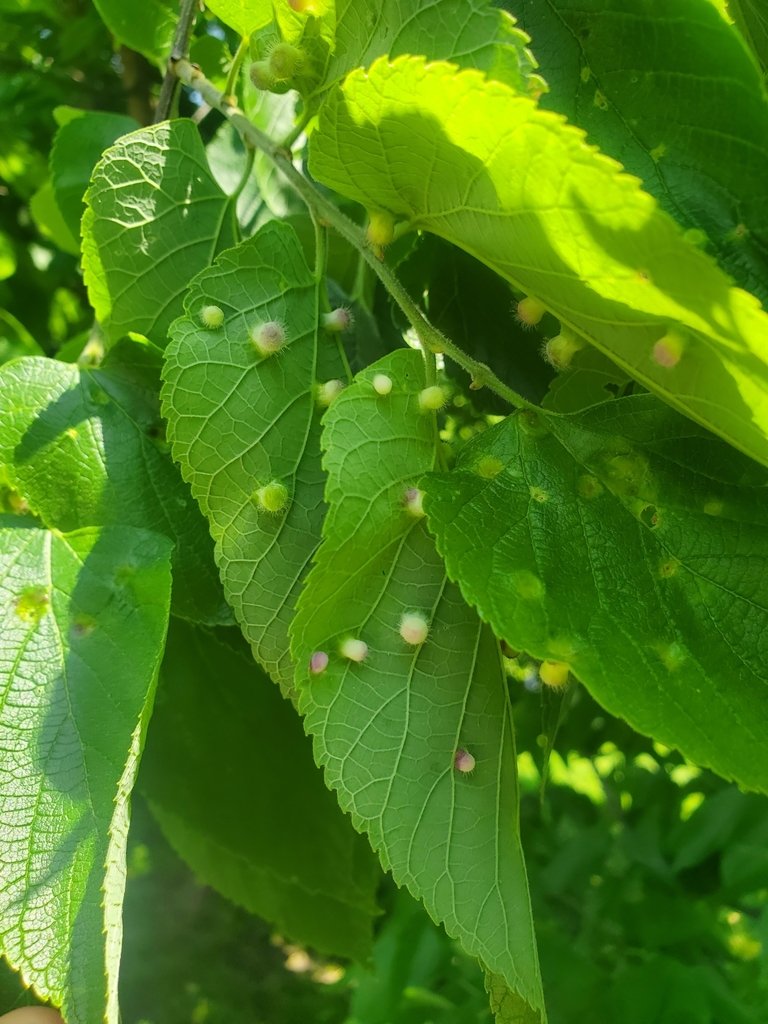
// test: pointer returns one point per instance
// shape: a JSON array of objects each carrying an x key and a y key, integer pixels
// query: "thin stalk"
[
  {"x": 250, "y": 156},
  {"x": 296, "y": 131},
  {"x": 430, "y": 337},
  {"x": 179, "y": 51},
  {"x": 234, "y": 68}
]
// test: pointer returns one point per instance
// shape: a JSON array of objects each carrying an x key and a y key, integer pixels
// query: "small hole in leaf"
[{"x": 650, "y": 516}]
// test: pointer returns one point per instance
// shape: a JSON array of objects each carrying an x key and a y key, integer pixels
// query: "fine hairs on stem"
[{"x": 432, "y": 340}]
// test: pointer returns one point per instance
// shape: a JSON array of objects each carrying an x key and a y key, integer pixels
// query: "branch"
[
  {"x": 179, "y": 51},
  {"x": 430, "y": 337}
]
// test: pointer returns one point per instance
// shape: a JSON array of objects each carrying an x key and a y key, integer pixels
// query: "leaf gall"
[{"x": 414, "y": 629}]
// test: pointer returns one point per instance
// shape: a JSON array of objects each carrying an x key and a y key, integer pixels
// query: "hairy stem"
[
  {"x": 179, "y": 51},
  {"x": 322, "y": 207},
  {"x": 234, "y": 68}
]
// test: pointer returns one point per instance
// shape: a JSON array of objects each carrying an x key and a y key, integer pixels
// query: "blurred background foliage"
[{"x": 649, "y": 876}]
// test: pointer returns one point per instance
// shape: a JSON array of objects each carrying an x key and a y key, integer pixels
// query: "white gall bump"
[
  {"x": 414, "y": 501},
  {"x": 318, "y": 663},
  {"x": 463, "y": 761},
  {"x": 414, "y": 629},
  {"x": 355, "y": 650},
  {"x": 337, "y": 320},
  {"x": 212, "y": 317},
  {"x": 268, "y": 337},
  {"x": 382, "y": 384},
  {"x": 668, "y": 350},
  {"x": 431, "y": 399}
]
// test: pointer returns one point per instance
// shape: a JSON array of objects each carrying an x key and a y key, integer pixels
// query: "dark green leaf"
[{"x": 229, "y": 773}]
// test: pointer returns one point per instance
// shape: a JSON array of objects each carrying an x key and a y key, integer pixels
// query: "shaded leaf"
[
  {"x": 84, "y": 620},
  {"x": 238, "y": 422},
  {"x": 631, "y": 544},
  {"x": 483, "y": 167},
  {"x": 143, "y": 25},
  {"x": 293, "y": 858},
  {"x": 387, "y": 728}
]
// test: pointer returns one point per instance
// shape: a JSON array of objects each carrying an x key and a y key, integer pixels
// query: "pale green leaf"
[
  {"x": 668, "y": 88},
  {"x": 245, "y": 16},
  {"x": 293, "y": 858},
  {"x": 84, "y": 617},
  {"x": 387, "y": 728},
  {"x": 238, "y": 422},
  {"x": 15, "y": 339},
  {"x": 589, "y": 378},
  {"x": 483, "y": 167},
  {"x": 50, "y": 221},
  {"x": 631, "y": 544},
  {"x": 77, "y": 147},
  {"x": 84, "y": 448},
  {"x": 155, "y": 218}
]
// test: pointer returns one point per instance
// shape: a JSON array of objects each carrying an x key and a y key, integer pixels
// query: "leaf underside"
[
  {"x": 386, "y": 730},
  {"x": 238, "y": 422},
  {"x": 631, "y": 544},
  {"x": 84, "y": 617},
  {"x": 482, "y": 166}
]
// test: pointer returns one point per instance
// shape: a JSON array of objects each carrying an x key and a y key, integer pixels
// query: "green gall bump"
[
  {"x": 414, "y": 629},
  {"x": 528, "y": 586},
  {"x": 33, "y": 604},
  {"x": 354, "y": 650},
  {"x": 538, "y": 494},
  {"x": 488, "y": 467},
  {"x": 530, "y": 311},
  {"x": 672, "y": 656},
  {"x": 463, "y": 761},
  {"x": 83, "y": 625},
  {"x": 337, "y": 320},
  {"x": 559, "y": 351},
  {"x": 300, "y": 6},
  {"x": 414, "y": 501},
  {"x": 328, "y": 391},
  {"x": 507, "y": 651},
  {"x": 212, "y": 317},
  {"x": 554, "y": 673},
  {"x": 668, "y": 568},
  {"x": 713, "y": 508},
  {"x": 284, "y": 61},
  {"x": 273, "y": 497},
  {"x": 381, "y": 228},
  {"x": 382, "y": 384},
  {"x": 431, "y": 399},
  {"x": 261, "y": 76},
  {"x": 668, "y": 350},
  {"x": 268, "y": 337},
  {"x": 589, "y": 486}
]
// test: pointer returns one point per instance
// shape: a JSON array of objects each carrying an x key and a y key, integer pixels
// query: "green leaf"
[
  {"x": 230, "y": 776},
  {"x": 49, "y": 220},
  {"x": 668, "y": 88},
  {"x": 483, "y": 167},
  {"x": 631, "y": 544},
  {"x": 77, "y": 147},
  {"x": 470, "y": 33},
  {"x": 155, "y": 218},
  {"x": 7, "y": 256},
  {"x": 84, "y": 621},
  {"x": 589, "y": 378},
  {"x": 474, "y": 307},
  {"x": 143, "y": 25},
  {"x": 245, "y": 16},
  {"x": 84, "y": 448},
  {"x": 15, "y": 339},
  {"x": 238, "y": 422},
  {"x": 507, "y": 1006},
  {"x": 387, "y": 728},
  {"x": 751, "y": 18}
]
